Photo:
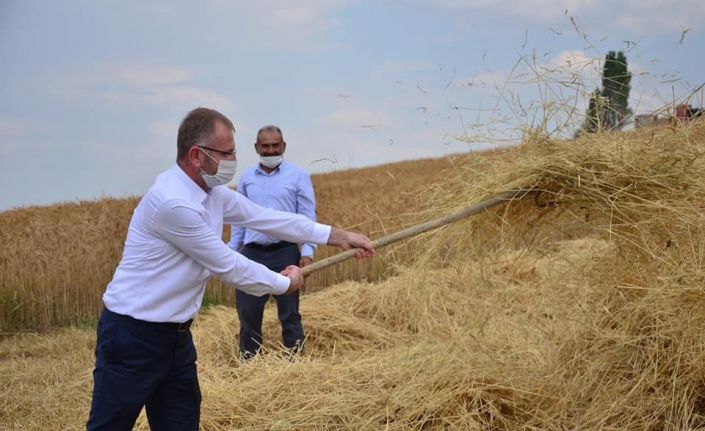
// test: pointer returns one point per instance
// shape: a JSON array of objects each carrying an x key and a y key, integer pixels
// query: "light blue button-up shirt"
[{"x": 286, "y": 188}]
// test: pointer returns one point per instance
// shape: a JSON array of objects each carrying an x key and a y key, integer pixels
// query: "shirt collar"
[{"x": 196, "y": 193}]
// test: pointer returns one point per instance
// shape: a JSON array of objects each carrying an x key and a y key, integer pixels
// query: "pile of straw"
[{"x": 579, "y": 308}]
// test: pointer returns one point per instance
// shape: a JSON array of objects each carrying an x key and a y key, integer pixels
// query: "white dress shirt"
[
  {"x": 287, "y": 188},
  {"x": 174, "y": 245}
]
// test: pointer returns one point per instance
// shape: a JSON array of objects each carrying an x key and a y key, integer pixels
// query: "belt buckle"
[{"x": 183, "y": 327}]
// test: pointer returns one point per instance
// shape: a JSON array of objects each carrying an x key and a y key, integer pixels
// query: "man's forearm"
[
  {"x": 337, "y": 236},
  {"x": 347, "y": 240}
]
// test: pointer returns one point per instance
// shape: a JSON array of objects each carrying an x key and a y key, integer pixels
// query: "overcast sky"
[{"x": 92, "y": 92}]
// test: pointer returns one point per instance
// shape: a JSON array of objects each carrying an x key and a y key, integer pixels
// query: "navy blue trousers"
[
  {"x": 143, "y": 364},
  {"x": 250, "y": 308}
]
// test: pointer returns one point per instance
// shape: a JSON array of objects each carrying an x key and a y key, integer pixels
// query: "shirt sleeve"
[
  {"x": 306, "y": 206},
  {"x": 184, "y": 228},
  {"x": 283, "y": 225},
  {"x": 237, "y": 233}
]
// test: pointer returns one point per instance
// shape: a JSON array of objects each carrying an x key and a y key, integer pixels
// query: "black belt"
[
  {"x": 269, "y": 247},
  {"x": 180, "y": 327},
  {"x": 169, "y": 326}
]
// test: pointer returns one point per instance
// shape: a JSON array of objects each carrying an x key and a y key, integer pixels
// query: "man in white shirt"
[
  {"x": 273, "y": 183},
  {"x": 145, "y": 356}
]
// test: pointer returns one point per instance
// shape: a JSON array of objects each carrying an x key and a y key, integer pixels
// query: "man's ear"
[
  {"x": 256, "y": 148},
  {"x": 195, "y": 157},
  {"x": 283, "y": 146}
]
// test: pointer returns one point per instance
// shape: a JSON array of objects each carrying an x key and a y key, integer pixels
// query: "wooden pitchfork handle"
[{"x": 421, "y": 228}]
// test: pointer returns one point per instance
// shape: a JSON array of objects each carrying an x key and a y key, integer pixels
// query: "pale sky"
[{"x": 93, "y": 91}]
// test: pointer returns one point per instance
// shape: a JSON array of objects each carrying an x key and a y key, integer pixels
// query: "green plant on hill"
[{"x": 608, "y": 109}]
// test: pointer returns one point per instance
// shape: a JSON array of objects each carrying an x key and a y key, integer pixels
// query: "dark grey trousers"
[{"x": 250, "y": 308}]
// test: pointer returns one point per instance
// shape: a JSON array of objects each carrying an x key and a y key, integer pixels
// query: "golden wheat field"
[
  {"x": 58, "y": 259},
  {"x": 578, "y": 307}
]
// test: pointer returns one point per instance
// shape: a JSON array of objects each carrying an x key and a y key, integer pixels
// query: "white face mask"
[
  {"x": 271, "y": 161},
  {"x": 224, "y": 174}
]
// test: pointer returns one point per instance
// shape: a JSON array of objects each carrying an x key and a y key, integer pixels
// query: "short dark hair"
[
  {"x": 197, "y": 128},
  {"x": 270, "y": 128}
]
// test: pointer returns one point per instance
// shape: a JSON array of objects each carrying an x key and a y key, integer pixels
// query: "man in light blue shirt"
[{"x": 273, "y": 183}]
